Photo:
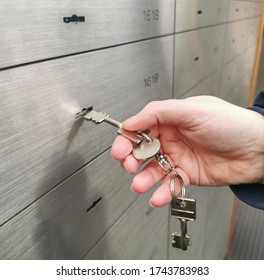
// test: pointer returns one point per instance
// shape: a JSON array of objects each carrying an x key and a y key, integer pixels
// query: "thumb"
[
  {"x": 155, "y": 113},
  {"x": 140, "y": 122}
]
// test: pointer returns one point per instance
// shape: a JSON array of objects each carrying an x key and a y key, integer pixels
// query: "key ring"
[
  {"x": 172, "y": 187},
  {"x": 168, "y": 166}
]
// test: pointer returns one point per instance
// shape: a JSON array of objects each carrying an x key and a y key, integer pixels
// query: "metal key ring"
[{"x": 172, "y": 186}]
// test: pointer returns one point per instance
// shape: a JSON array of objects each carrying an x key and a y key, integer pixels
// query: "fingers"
[
  {"x": 131, "y": 165},
  {"x": 154, "y": 115},
  {"x": 162, "y": 196},
  {"x": 149, "y": 118},
  {"x": 150, "y": 176},
  {"x": 121, "y": 150}
]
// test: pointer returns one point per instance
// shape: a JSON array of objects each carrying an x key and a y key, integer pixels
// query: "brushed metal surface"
[
  {"x": 235, "y": 39},
  {"x": 34, "y": 29},
  {"x": 234, "y": 82},
  {"x": 38, "y": 133},
  {"x": 231, "y": 74},
  {"x": 238, "y": 10},
  {"x": 248, "y": 240},
  {"x": 260, "y": 80},
  {"x": 253, "y": 29},
  {"x": 244, "y": 89},
  {"x": 218, "y": 217},
  {"x": 192, "y": 14},
  {"x": 140, "y": 233},
  {"x": 256, "y": 9},
  {"x": 58, "y": 226},
  {"x": 249, "y": 59},
  {"x": 209, "y": 86},
  {"x": 197, "y": 55},
  {"x": 233, "y": 95}
]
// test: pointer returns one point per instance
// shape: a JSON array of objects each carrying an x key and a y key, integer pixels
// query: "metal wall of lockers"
[{"x": 125, "y": 54}]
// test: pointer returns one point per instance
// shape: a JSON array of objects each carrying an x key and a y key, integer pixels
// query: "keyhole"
[
  {"x": 94, "y": 204},
  {"x": 74, "y": 18}
]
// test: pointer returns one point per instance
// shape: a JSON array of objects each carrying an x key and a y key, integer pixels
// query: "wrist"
[
  {"x": 259, "y": 108},
  {"x": 260, "y": 147}
]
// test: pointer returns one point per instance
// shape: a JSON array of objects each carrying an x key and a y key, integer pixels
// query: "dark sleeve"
[
  {"x": 258, "y": 104},
  {"x": 252, "y": 194}
]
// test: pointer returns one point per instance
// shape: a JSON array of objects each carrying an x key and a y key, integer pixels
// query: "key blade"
[
  {"x": 96, "y": 117},
  {"x": 180, "y": 242},
  {"x": 91, "y": 115}
]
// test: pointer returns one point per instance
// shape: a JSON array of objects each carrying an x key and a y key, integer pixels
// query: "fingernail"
[
  {"x": 150, "y": 203},
  {"x": 125, "y": 166},
  {"x": 131, "y": 187}
]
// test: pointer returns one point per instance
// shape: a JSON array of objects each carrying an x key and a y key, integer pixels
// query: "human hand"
[{"x": 210, "y": 141}]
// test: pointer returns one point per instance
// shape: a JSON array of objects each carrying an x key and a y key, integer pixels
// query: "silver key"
[
  {"x": 145, "y": 146},
  {"x": 181, "y": 240},
  {"x": 183, "y": 209},
  {"x": 99, "y": 117}
]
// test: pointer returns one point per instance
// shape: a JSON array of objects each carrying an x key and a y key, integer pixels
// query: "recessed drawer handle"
[{"x": 74, "y": 18}]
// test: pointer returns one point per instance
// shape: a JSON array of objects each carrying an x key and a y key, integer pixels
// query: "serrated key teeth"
[
  {"x": 181, "y": 241},
  {"x": 93, "y": 120}
]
